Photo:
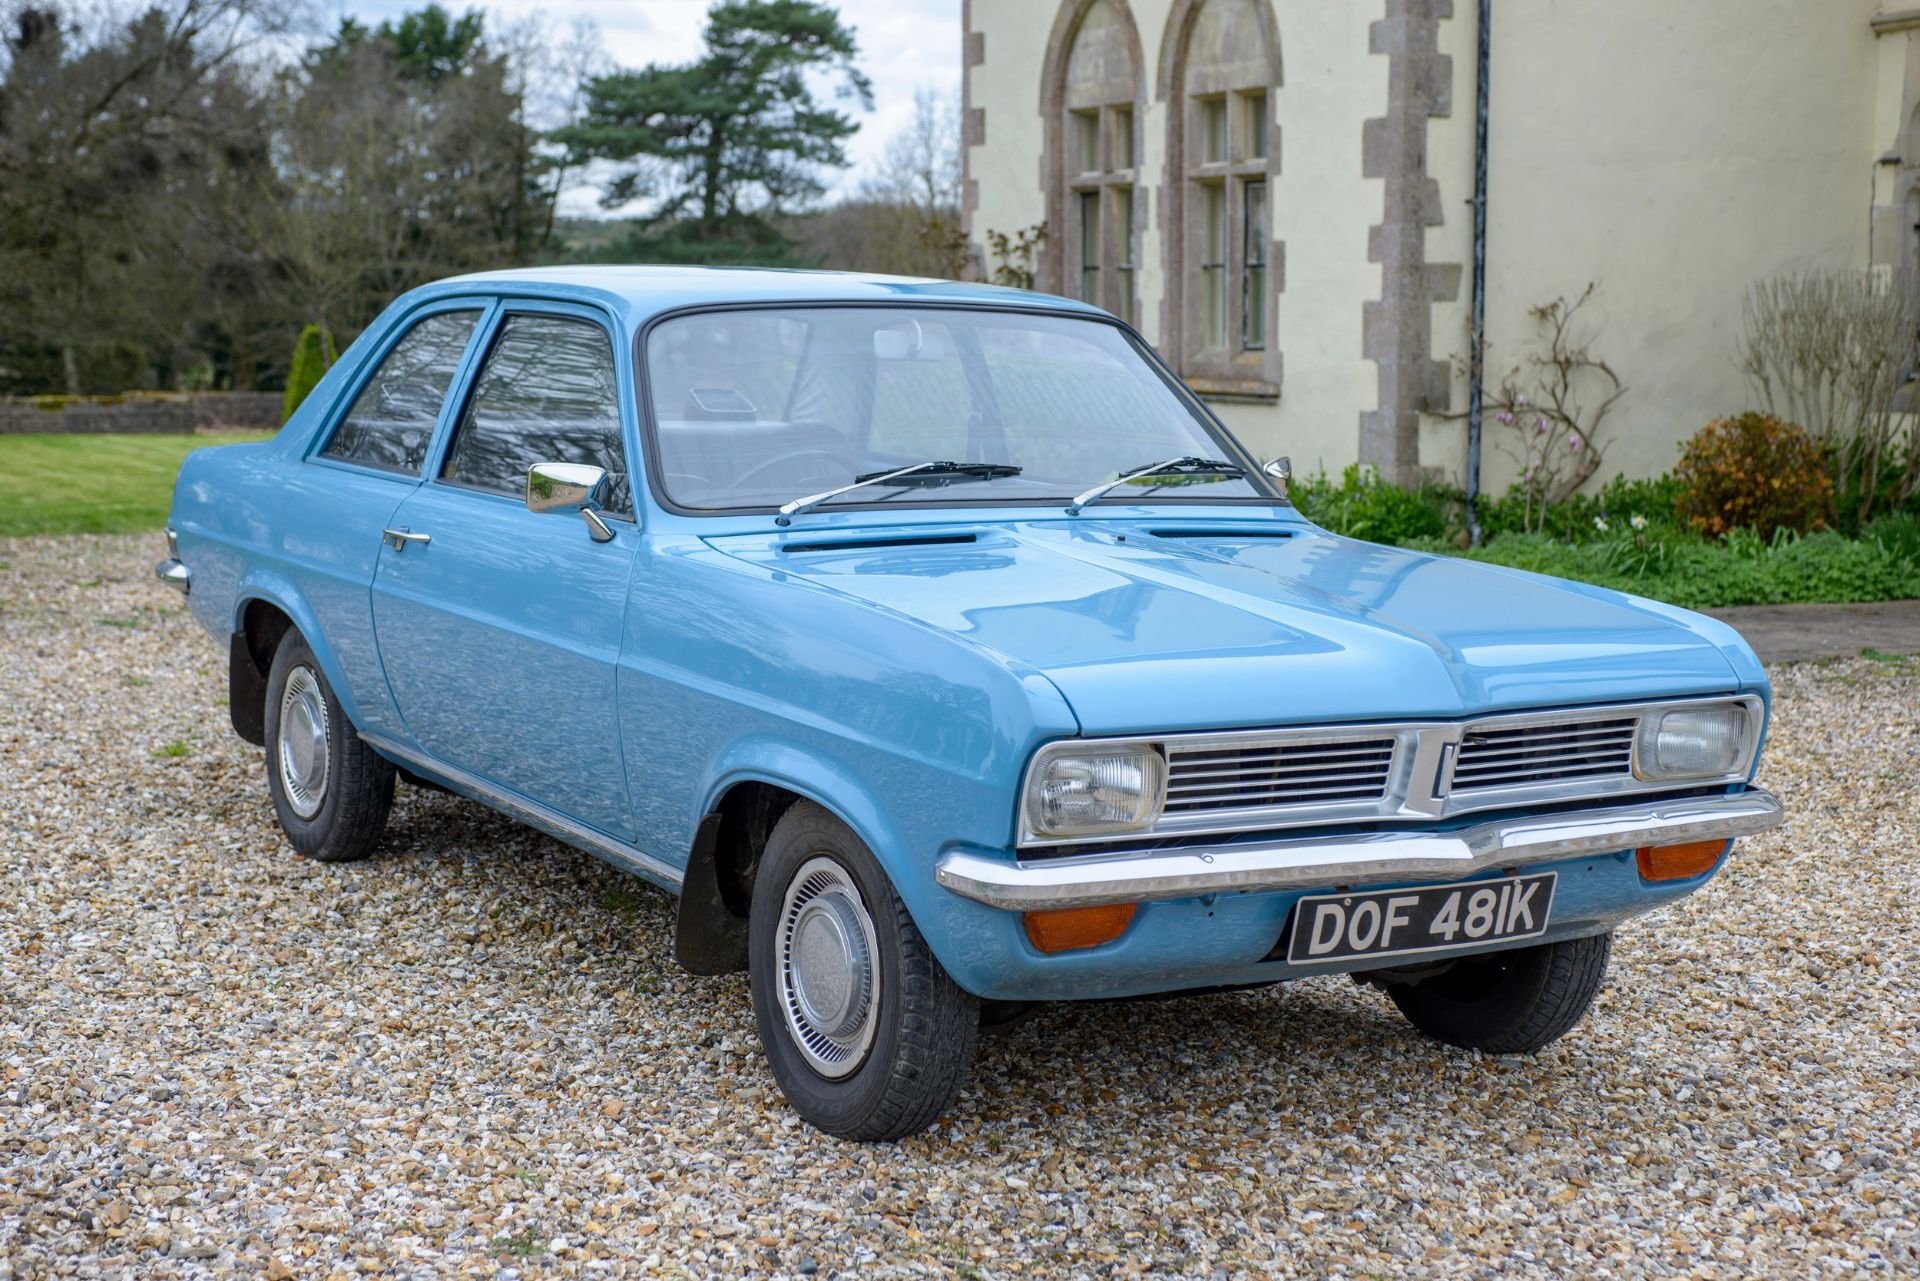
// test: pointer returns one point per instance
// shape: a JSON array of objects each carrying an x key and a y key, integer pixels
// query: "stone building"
[{"x": 1279, "y": 193}]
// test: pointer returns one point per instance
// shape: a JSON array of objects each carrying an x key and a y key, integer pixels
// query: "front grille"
[
  {"x": 1545, "y": 753},
  {"x": 1201, "y": 779}
]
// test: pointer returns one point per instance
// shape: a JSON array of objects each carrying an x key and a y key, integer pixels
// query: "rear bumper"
[
  {"x": 175, "y": 575},
  {"x": 1351, "y": 859}
]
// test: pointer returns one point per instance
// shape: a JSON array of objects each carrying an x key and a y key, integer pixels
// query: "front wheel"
[
  {"x": 1509, "y": 1002},
  {"x": 867, "y": 1034},
  {"x": 331, "y": 792}
]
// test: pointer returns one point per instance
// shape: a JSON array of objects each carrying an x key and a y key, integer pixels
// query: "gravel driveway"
[{"x": 474, "y": 1053}]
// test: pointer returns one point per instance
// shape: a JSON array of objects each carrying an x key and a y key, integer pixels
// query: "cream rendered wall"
[
  {"x": 1672, "y": 152},
  {"x": 1322, "y": 206},
  {"x": 1006, "y": 168}
]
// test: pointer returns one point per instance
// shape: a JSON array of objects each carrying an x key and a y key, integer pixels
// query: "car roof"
[{"x": 640, "y": 291}]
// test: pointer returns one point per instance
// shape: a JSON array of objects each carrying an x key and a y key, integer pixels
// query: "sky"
[{"x": 905, "y": 45}]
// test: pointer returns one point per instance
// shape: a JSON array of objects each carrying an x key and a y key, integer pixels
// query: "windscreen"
[{"x": 758, "y": 407}]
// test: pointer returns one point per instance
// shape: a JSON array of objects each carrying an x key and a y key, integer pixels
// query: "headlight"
[
  {"x": 1693, "y": 742},
  {"x": 1079, "y": 791}
]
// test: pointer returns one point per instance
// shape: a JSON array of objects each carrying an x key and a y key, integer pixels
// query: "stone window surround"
[
  {"x": 1060, "y": 176},
  {"x": 1112, "y": 181},
  {"x": 1229, "y": 373}
]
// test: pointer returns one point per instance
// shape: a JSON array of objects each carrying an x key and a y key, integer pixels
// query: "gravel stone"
[{"x": 474, "y": 1054}]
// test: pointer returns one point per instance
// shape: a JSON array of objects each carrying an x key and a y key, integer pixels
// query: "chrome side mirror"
[
  {"x": 1280, "y": 472},
  {"x": 571, "y": 487}
]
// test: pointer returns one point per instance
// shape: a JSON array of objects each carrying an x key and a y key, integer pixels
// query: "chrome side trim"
[
  {"x": 175, "y": 575},
  {"x": 534, "y": 814},
  {"x": 1357, "y": 859}
]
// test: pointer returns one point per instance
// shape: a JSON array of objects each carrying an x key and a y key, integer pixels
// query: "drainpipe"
[{"x": 1477, "y": 355}]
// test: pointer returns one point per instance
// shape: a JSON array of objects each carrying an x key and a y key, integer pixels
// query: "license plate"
[{"x": 1433, "y": 918}]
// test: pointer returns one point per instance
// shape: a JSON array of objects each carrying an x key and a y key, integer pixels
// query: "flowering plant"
[{"x": 1554, "y": 402}]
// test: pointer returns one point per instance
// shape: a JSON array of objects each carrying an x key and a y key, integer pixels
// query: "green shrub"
[
  {"x": 1752, "y": 472},
  {"x": 1740, "y": 568},
  {"x": 1621, "y": 504},
  {"x": 1899, "y": 535},
  {"x": 313, "y": 355},
  {"x": 1365, "y": 506}
]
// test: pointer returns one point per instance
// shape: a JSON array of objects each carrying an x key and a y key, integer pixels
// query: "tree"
[
  {"x": 727, "y": 144},
  {"x": 905, "y": 218},
  {"x": 123, "y": 162},
  {"x": 407, "y": 156},
  {"x": 170, "y": 202},
  {"x": 313, "y": 355}
]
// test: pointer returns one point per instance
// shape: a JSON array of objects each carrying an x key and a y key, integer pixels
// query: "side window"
[
  {"x": 547, "y": 394},
  {"x": 391, "y": 420}
]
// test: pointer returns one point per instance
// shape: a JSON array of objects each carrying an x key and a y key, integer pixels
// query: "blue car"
[{"x": 945, "y": 655}]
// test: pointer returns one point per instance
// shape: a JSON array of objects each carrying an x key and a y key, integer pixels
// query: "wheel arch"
[
  {"x": 265, "y": 607},
  {"x": 757, "y": 782}
]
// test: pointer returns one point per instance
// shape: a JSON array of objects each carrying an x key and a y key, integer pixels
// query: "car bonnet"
[{"x": 1155, "y": 625}]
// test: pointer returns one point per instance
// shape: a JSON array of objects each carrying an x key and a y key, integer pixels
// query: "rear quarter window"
[{"x": 391, "y": 421}]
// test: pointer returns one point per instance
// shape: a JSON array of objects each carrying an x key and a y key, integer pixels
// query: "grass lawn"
[{"x": 84, "y": 484}]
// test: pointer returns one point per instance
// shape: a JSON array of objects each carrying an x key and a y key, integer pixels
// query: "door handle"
[{"x": 401, "y": 537}]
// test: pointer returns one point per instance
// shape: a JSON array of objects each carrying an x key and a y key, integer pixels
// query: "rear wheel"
[
  {"x": 866, "y": 1033},
  {"x": 331, "y": 792},
  {"x": 1509, "y": 1002}
]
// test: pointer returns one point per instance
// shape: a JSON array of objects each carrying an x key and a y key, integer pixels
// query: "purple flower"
[
  {"x": 1520, "y": 400},
  {"x": 1573, "y": 441},
  {"x": 1504, "y": 417},
  {"x": 1541, "y": 426}
]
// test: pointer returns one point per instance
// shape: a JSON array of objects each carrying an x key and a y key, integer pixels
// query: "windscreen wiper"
[
  {"x": 1184, "y": 466},
  {"x": 941, "y": 473}
]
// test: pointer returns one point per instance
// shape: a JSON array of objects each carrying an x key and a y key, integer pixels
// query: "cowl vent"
[
  {"x": 1222, "y": 535},
  {"x": 863, "y": 544}
]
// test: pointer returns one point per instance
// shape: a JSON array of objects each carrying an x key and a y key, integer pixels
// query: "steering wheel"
[{"x": 839, "y": 465}]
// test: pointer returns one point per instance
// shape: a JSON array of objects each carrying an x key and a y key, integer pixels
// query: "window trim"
[
  {"x": 1233, "y": 449},
  {"x": 1242, "y": 77},
  {"x": 1109, "y": 255},
  {"x": 485, "y": 304},
  {"x": 1228, "y": 179},
  {"x": 1062, "y": 105},
  {"x": 463, "y": 391}
]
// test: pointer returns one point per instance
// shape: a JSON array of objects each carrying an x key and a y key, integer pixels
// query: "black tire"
[
  {"x": 1509, "y": 1002},
  {"x": 355, "y": 792},
  {"x": 924, "y": 1024}
]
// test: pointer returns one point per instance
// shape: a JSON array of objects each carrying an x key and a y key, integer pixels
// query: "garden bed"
[{"x": 1627, "y": 537}]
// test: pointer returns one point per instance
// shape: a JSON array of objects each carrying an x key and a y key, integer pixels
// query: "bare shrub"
[
  {"x": 1555, "y": 401},
  {"x": 1831, "y": 350}
]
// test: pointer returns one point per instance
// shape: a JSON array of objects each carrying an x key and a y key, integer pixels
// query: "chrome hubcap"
[
  {"x": 303, "y": 742},
  {"x": 829, "y": 978}
]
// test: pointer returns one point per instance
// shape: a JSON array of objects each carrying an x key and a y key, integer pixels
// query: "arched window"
[
  {"x": 1091, "y": 97},
  {"x": 1223, "y": 61}
]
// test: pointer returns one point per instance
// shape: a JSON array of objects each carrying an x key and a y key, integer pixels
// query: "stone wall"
[{"x": 142, "y": 415}]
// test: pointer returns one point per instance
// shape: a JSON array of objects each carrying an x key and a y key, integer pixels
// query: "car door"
[
  {"x": 363, "y": 466},
  {"x": 499, "y": 628}
]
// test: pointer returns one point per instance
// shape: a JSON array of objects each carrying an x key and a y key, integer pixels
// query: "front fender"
[
  {"x": 970, "y": 939},
  {"x": 831, "y": 783}
]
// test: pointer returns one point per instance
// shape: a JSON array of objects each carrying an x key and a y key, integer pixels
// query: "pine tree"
[{"x": 729, "y": 143}]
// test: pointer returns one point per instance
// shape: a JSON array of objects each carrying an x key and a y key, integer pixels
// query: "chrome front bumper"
[{"x": 1318, "y": 862}]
